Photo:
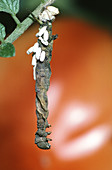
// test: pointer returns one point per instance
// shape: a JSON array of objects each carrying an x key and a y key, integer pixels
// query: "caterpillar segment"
[{"x": 43, "y": 74}]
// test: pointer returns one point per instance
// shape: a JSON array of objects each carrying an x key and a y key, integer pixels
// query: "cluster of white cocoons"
[
  {"x": 38, "y": 53},
  {"x": 43, "y": 35},
  {"x": 49, "y": 13}
]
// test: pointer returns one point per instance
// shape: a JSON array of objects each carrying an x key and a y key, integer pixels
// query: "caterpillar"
[{"x": 42, "y": 53}]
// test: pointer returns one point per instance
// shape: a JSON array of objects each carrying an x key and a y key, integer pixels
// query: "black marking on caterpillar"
[{"x": 43, "y": 74}]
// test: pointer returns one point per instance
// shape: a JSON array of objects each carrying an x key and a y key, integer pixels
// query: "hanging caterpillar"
[{"x": 42, "y": 53}]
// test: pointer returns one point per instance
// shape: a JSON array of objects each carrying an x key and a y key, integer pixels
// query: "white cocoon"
[
  {"x": 46, "y": 35},
  {"x": 38, "y": 53},
  {"x": 42, "y": 30},
  {"x": 35, "y": 47},
  {"x": 53, "y": 10},
  {"x": 44, "y": 16},
  {"x": 34, "y": 60},
  {"x": 30, "y": 50},
  {"x": 34, "y": 72},
  {"x": 42, "y": 56}
]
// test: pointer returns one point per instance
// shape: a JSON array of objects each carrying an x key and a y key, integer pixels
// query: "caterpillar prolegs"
[{"x": 42, "y": 53}]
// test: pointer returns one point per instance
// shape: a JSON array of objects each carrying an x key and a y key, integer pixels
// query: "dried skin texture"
[{"x": 43, "y": 73}]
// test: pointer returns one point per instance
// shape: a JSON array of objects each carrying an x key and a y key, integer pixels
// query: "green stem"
[
  {"x": 27, "y": 22},
  {"x": 16, "y": 20}
]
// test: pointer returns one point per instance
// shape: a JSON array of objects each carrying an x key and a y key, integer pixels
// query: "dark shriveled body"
[{"x": 43, "y": 73}]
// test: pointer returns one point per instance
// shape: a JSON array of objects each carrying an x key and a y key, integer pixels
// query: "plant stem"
[
  {"x": 16, "y": 20},
  {"x": 27, "y": 22}
]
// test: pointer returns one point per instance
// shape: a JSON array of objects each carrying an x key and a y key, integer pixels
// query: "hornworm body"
[{"x": 42, "y": 53}]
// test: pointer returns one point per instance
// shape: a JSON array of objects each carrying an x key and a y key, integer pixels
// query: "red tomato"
[{"x": 80, "y": 102}]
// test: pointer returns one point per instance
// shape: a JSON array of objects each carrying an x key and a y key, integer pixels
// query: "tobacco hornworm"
[
  {"x": 42, "y": 53},
  {"x": 43, "y": 73}
]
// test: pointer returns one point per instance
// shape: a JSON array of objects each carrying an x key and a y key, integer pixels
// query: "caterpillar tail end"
[
  {"x": 42, "y": 142},
  {"x": 43, "y": 145}
]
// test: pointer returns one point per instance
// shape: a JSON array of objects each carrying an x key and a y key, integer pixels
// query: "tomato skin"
[{"x": 81, "y": 76}]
